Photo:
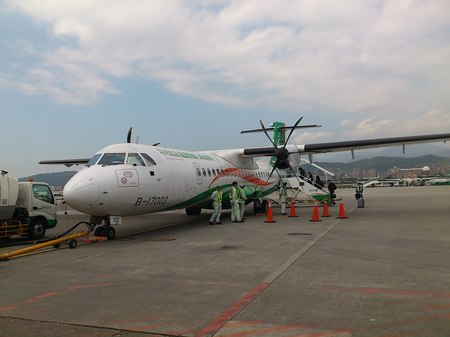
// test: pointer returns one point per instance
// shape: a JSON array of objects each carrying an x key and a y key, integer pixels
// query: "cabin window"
[
  {"x": 204, "y": 172},
  {"x": 214, "y": 172},
  {"x": 135, "y": 159},
  {"x": 94, "y": 159},
  {"x": 198, "y": 172},
  {"x": 149, "y": 160},
  {"x": 112, "y": 159},
  {"x": 209, "y": 172}
]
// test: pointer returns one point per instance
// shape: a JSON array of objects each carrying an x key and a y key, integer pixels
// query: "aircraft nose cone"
[{"x": 81, "y": 194}]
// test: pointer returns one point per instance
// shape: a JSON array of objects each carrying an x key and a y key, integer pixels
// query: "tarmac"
[{"x": 384, "y": 271}]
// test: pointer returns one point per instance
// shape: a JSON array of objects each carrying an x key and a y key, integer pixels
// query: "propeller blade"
[
  {"x": 271, "y": 172},
  {"x": 295, "y": 175},
  {"x": 129, "y": 135},
  {"x": 265, "y": 131},
  {"x": 292, "y": 130}
]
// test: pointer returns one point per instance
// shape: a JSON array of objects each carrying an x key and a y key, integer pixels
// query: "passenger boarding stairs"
[{"x": 300, "y": 189}]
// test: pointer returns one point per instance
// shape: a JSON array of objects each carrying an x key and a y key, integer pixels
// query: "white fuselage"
[{"x": 132, "y": 179}]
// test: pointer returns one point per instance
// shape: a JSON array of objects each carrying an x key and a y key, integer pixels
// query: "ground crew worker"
[
  {"x": 331, "y": 189},
  {"x": 234, "y": 201},
  {"x": 283, "y": 198},
  {"x": 216, "y": 197},
  {"x": 241, "y": 201}
]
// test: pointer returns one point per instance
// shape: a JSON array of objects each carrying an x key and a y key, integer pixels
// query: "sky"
[{"x": 76, "y": 74}]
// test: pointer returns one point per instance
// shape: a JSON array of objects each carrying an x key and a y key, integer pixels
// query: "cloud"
[
  {"x": 433, "y": 121},
  {"x": 312, "y": 137},
  {"x": 360, "y": 56}
]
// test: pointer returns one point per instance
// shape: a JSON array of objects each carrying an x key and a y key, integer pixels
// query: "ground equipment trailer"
[{"x": 26, "y": 208}]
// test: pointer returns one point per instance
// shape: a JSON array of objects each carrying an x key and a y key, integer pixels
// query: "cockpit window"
[
  {"x": 149, "y": 160},
  {"x": 112, "y": 159},
  {"x": 135, "y": 159},
  {"x": 94, "y": 159}
]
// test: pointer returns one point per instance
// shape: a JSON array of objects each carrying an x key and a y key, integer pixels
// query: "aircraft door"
[{"x": 198, "y": 173}]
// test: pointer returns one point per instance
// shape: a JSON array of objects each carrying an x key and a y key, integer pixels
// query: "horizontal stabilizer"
[
  {"x": 67, "y": 162},
  {"x": 283, "y": 128}
]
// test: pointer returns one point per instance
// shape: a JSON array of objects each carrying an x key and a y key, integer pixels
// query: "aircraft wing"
[
  {"x": 67, "y": 162},
  {"x": 350, "y": 145}
]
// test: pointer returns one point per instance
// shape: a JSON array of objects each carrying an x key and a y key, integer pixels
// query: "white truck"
[{"x": 26, "y": 208}]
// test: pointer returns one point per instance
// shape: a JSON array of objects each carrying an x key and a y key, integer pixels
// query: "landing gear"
[
  {"x": 193, "y": 210},
  {"x": 99, "y": 231},
  {"x": 260, "y": 207},
  {"x": 107, "y": 231}
]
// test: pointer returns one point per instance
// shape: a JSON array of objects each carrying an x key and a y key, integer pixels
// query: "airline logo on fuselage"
[{"x": 183, "y": 154}]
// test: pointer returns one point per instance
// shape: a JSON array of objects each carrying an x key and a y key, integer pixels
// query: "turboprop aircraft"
[{"x": 132, "y": 179}]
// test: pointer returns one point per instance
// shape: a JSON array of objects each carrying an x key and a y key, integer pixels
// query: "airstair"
[{"x": 303, "y": 190}]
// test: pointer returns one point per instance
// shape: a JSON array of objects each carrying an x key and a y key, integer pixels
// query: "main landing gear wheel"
[
  {"x": 99, "y": 231},
  {"x": 109, "y": 232},
  {"x": 106, "y": 231}
]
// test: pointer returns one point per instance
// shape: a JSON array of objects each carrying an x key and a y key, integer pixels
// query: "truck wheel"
[{"x": 36, "y": 229}]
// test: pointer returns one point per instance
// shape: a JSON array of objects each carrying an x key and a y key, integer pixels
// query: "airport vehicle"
[
  {"x": 131, "y": 179},
  {"x": 26, "y": 208}
]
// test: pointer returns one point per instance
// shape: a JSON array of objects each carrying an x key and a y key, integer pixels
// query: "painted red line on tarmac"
[
  {"x": 434, "y": 307},
  {"x": 240, "y": 323},
  {"x": 3, "y": 309},
  {"x": 43, "y": 296},
  {"x": 228, "y": 314},
  {"x": 87, "y": 286},
  {"x": 259, "y": 332},
  {"x": 140, "y": 328},
  {"x": 387, "y": 292},
  {"x": 335, "y": 333}
]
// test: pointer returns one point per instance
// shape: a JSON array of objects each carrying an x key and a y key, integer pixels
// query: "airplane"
[{"x": 133, "y": 179}]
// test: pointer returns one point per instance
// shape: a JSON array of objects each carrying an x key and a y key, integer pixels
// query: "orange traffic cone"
[
  {"x": 293, "y": 212},
  {"x": 325, "y": 210},
  {"x": 342, "y": 211},
  {"x": 270, "y": 214},
  {"x": 315, "y": 216}
]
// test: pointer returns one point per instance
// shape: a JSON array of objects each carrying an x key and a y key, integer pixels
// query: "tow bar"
[{"x": 70, "y": 239}]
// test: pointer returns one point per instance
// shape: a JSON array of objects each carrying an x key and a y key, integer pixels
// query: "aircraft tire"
[
  {"x": 264, "y": 206},
  {"x": 109, "y": 232},
  {"x": 193, "y": 211},
  {"x": 99, "y": 231}
]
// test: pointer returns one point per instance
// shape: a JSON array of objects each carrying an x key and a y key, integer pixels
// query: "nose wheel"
[{"x": 107, "y": 231}]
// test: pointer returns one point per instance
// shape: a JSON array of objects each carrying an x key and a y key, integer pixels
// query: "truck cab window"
[
  {"x": 42, "y": 192},
  {"x": 135, "y": 159},
  {"x": 112, "y": 159}
]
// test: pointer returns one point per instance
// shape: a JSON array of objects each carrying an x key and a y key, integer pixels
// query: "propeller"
[
  {"x": 129, "y": 135},
  {"x": 130, "y": 130},
  {"x": 281, "y": 153}
]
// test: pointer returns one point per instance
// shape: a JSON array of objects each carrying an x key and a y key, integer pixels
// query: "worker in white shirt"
[
  {"x": 242, "y": 198},
  {"x": 234, "y": 201},
  {"x": 216, "y": 197}
]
